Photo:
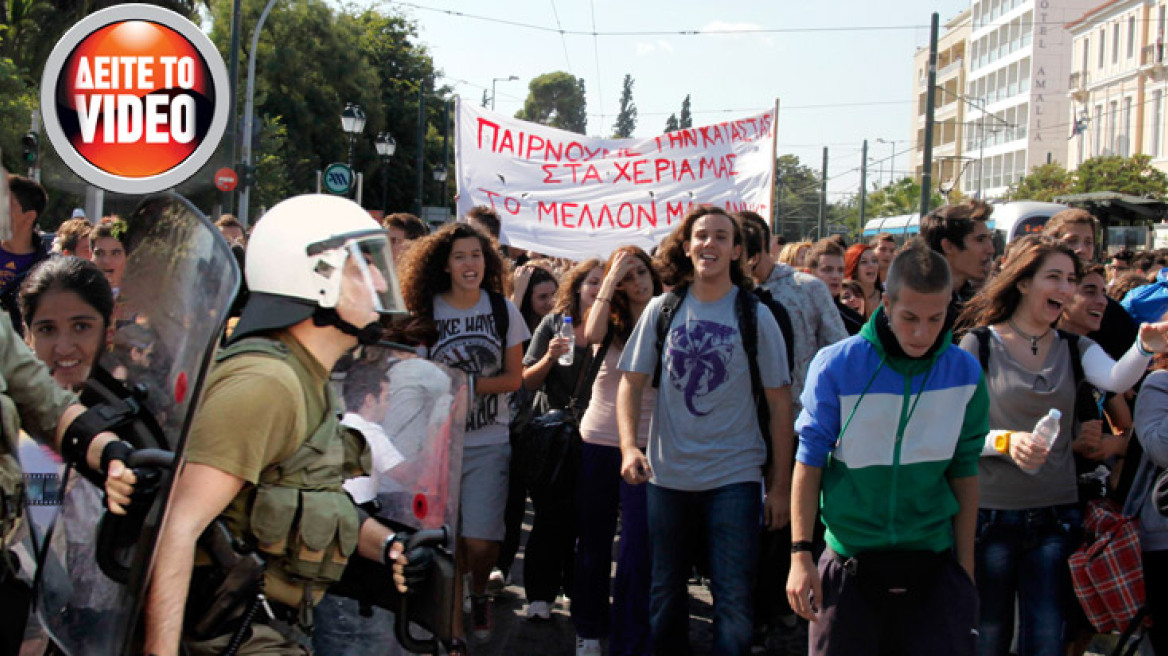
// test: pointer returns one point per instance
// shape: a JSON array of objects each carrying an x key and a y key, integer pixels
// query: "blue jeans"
[
  {"x": 1023, "y": 554},
  {"x": 600, "y": 494},
  {"x": 731, "y": 516},
  {"x": 340, "y": 629}
]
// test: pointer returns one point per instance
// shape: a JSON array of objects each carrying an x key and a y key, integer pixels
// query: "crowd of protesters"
[{"x": 836, "y": 438}]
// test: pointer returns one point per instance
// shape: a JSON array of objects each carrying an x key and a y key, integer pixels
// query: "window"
[
  {"x": 1115, "y": 43},
  {"x": 1112, "y": 124},
  {"x": 1008, "y": 169},
  {"x": 1125, "y": 129},
  {"x": 1024, "y": 75},
  {"x": 1131, "y": 37},
  {"x": 1096, "y": 127},
  {"x": 1157, "y": 121},
  {"x": 1027, "y": 27},
  {"x": 1102, "y": 44},
  {"x": 1012, "y": 89},
  {"x": 1160, "y": 24},
  {"x": 1083, "y": 69}
]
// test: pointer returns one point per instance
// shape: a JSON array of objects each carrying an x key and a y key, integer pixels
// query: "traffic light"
[
  {"x": 247, "y": 175},
  {"x": 31, "y": 148}
]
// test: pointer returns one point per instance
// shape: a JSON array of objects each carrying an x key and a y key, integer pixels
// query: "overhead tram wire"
[
  {"x": 563, "y": 38},
  {"x": 596, "y": 55},
  {"x": 701, "y": 32}
]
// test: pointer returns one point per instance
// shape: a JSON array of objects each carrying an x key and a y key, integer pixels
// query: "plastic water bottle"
[
  {"x": 569, "y": 333},
  {"x": 1046, "y": 432}
]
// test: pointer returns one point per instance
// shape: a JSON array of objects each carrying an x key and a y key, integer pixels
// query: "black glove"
[
  {"x": 149, "y": 476},
  {"x": 417, "y": 570}
]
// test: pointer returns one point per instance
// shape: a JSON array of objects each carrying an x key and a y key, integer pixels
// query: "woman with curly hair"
[
  {"x": 1028, "y": 508},
  {"x": 454, "y": 277},
  {"x": 705, "y": 449},
  {"x": 629, "y": 284},
  {"x": 547, "y": 560}
]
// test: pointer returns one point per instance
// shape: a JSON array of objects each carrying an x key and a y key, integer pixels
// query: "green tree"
[
  {"x": 686, "y": 118},
  {"x": 1134, "y": 176},
  {"x": 626, "y": 119},
  {"x": 1043, "y": 183},
  {"x": 556, "y": 99},
  {"x": 796, "y": 197},
  {"x": 17, "y": 101},
  {"x": 901, "y": 197},
  {"x": 671, "y": 123}
]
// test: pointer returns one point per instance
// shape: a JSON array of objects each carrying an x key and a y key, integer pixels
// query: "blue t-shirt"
[
  {"x": 13, "y": 267},
  {"x": 705, "y": 431}
]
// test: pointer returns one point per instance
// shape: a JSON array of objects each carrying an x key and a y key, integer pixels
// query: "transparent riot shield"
[
  {"x": 417, "y": 461},
  {"x": 179, "y": 281}
]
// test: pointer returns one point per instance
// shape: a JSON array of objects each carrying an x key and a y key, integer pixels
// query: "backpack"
[
  {"x": 502, "y": 317},
  {"x": 745, "y": 311}
]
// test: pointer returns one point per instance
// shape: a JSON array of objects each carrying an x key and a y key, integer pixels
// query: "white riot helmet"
[{"x": 295, "y": 261}]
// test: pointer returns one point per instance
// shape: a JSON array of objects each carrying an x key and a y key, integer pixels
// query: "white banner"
[{"x": 567, "y": 195}]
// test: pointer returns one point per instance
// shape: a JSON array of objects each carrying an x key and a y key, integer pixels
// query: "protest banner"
[{"x": 568, "y": 195}]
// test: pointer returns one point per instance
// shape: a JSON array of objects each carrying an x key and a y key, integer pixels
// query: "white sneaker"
[
  {"x": 586, "y": 647},
  {"x": 540, "y": 610},
  {"x": 497, "y": 581}
]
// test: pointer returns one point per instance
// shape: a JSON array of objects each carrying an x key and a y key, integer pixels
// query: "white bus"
[{"x": 1008, "y": 222}]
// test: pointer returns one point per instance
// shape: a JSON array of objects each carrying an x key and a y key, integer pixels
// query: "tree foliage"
[
  {"x": 796, "y": 196},
  {"x": 556, "y": 99},
  {"x": 685, "y": 120},
  {"x": 626, "y": 119},
  {"x": 902, "y": 196},
  {"x": 1134, "y": 176},
  {"x": 671, "y": 124}
]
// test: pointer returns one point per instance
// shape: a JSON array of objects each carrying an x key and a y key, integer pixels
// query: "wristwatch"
[
  {"x": 1002, "y": 442},
  {"x": 800, "y": 545}
]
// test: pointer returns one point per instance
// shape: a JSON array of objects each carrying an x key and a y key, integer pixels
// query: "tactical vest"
[
  {"x": 11, "y": 496},
  {"x": 300, "y": 519}
]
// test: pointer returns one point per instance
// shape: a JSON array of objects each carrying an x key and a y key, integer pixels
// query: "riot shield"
[
  {"x": 417, "y": 455},
  {"x": 179, "y": 281}
]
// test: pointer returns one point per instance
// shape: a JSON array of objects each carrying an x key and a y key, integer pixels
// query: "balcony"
[
  {"x": 1078, "y": 85},
  {"x": 950, "y": 69},
  {"x": 1152, "y": 60}
]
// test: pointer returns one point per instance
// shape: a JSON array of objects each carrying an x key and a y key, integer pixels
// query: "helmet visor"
[{"x": 374, "y": 259}]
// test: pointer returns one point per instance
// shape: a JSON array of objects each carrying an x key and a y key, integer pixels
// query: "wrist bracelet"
[
  {"x": 800, "y": 545},
  {"x": 1140, "y": 347},
  {"x": 386, "y": 547}
]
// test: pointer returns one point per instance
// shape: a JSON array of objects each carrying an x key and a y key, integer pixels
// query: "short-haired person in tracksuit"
[{"x": 893, "y": 423}]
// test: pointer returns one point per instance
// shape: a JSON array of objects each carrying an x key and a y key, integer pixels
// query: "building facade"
[
  {"x": 950, "y": 111},
  {"x": 1016, "y": 90},
  {"x": 1118, "y": 80}
]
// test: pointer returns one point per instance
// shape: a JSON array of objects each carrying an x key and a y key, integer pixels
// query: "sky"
[{"x": 841, "y": 70}]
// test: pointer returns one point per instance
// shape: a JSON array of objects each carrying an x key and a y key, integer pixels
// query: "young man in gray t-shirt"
[{"x": 706, "y": 450}]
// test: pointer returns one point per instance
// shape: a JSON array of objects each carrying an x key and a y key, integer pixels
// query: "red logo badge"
[{"x": 135, "y": 98}]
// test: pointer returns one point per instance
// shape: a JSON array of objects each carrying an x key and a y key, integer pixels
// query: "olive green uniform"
[{"x": 269, "y": 418}]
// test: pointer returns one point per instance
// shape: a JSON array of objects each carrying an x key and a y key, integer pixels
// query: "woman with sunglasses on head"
[
  {"x": 1028, "y": 515},
  {"x": 630, "y": 282}
]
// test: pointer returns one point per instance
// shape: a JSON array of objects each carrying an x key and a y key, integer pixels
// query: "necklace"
[{"x": 1033, "y": 338}]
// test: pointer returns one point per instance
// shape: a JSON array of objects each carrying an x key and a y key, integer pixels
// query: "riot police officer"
[{"x": 266, "y": 455}]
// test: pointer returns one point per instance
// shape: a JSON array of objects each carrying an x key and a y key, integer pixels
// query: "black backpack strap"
[
  {"x": 502, "y": 317},
  {"x": 669, "y": 305},
  {"x": 1076, "y": 357},
  {"x": 983, "y": 346},
  {"x": 783, "y": 318},
  {"x": 746, "y": 309}
]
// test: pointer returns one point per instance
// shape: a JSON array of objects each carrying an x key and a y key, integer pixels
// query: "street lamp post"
[
  {"x": 509, "y": 78},
  {"x": 249, "y": 116},
  {"x": 892, "y": 159},
  {"x": 440, "y": 178},
  {"x": 353, "y": 123},
  {"x": 385, "y": 145}
]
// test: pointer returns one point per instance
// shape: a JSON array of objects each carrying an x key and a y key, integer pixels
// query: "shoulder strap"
[
  {"x": 669, "y": 305},
  {"x": 983, "y": 346},
  {"x": 783, "y": 318},
  {"x": 502, "y": 317},
  {"x": 746, "y": 308},
  {"x": 582, "y": 394},
  {"x": 1076, "y": 357}
]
